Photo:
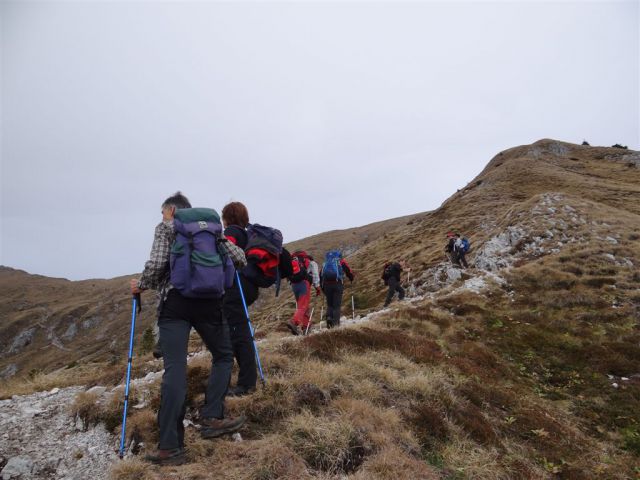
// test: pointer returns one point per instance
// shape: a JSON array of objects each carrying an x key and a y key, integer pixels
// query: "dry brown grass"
[
  {"x": 131, "y": 469},
  {"x": 394, "y": 464},
  {"x": 85, "y": 406}
]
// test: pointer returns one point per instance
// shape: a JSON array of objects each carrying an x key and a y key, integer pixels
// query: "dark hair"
[
  {"x": 235, "y": 213},
  {"x": 177, "y": 200}
]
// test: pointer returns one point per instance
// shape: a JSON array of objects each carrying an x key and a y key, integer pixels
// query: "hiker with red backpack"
[
  {"x": 301, "y": 281},
  {"x": 391, "y": 275},
  {"x": 190, "y": 266},
  {"x": 332, "y": 276},
  {"x": 263, "y": 249}
]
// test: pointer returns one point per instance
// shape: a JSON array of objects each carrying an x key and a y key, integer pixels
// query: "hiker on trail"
[
  {"x": 263, "y": 249},
  {"x": 333, "y": 272},
  {"x": 391, "y": 276},
  {"x": 314, "y": 275},
  {"x": 184, "y": 306},
  {"x": 235, "y": 218},
  {"x": 461, "y": 247},
  {"x": 301, "y": 281},
  {"x": 450, "y": 248}
]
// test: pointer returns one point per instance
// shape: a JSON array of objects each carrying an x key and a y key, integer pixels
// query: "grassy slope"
[{"x": 513, "y": 383}]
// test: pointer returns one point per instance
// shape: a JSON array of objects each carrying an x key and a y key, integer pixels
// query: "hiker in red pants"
[{"x": 301, "y": 286}]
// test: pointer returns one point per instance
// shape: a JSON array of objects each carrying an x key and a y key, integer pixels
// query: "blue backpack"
[
  {"x": 331, "y": 268},
  {"x": 465, "y": 245},
  {"x": 198, "y": 270}
]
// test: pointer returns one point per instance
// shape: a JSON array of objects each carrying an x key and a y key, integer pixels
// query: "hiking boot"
[
  {"x": 215, "y": 427},
  {"x": 293, "y": 327},
  {"x": 157, "y": 351},
  {"x": 175, "y": 456},
  {"x": 240, "y": 391}
]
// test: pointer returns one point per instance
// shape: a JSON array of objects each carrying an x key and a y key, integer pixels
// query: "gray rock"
[
  {"x": 9, "y": 371},
  {"x": 71, "y": 331},
  {"x": 18, "y": 467},
  {"x": 454, "y": 274},
  {"x": 97, "y": 390},
  {"x": 90, "y": 323},
  {"x": 23, "y": 339}
]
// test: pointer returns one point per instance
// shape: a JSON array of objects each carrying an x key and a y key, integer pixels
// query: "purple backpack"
[{"x": 198, "y": 270}]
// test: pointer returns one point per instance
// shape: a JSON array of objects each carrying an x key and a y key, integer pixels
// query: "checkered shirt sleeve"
[{"x": 156, "y": 270}]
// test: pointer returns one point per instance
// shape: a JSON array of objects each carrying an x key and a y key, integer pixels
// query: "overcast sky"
[{"x": 316, "y": 115}]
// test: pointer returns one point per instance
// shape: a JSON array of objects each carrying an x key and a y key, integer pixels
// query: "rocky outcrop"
[{"x": 40, "y": 439}]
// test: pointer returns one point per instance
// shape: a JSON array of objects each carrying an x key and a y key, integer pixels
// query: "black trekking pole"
[
  {"x": 137, "y": 305},
  {"x": 251, "y": 330}
]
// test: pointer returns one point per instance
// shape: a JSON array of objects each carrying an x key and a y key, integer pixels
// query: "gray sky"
[{"x": 316, "y": 115}]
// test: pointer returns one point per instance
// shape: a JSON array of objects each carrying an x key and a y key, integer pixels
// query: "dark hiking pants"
[
  {"x": 394, "y": 286},
  {"x": 333, "y": 293},
  {"x": 177, "y": 315},
  {"x": 241, "y": 340},
  {"x": 461, "y": 260}
]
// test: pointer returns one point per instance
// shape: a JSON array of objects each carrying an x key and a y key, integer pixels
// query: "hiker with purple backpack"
[{"x": 190, "y": 265}]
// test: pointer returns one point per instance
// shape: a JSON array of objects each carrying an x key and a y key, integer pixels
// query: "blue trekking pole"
[
  {"x": 246, "y": 312},
  {"x": 136, "y": 303}
]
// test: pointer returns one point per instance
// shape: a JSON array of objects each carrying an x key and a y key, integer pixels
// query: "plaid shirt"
[{"x": 156, "y": 270}]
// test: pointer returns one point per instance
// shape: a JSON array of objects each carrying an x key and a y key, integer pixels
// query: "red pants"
[{"x": 302, "y": 292}]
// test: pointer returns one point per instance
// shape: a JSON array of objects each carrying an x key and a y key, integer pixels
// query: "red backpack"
[
  {"x": 299, "y": 264},
  {"x": 264, "y": 246}
]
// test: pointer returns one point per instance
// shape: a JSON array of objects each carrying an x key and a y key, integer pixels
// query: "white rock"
[
  {"x": 611, "y": 240},
  {"x": 454, "y": 274},
  {"x": 615, "y": 385},
  {"x": 97, "y": 390},
  {"x": 236, "y": 437},
  {"x": 18, "y": 467}
]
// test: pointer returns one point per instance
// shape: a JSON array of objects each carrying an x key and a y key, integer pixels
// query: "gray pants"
[
  {"x": 177, "y": 315},
  {"x": 394, "y": 286}
]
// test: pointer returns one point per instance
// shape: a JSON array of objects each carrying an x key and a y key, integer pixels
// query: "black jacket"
[
  {"x": 450, "y": 246},
  {"x": 393, "y": 270}
]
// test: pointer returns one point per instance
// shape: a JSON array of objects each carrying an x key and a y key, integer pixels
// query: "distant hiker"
[
  {"x": 450, "y": 248},
  {"x": 391, "y": 275},
  {"x": 187, "y": 301},
  {"x": 332, "y": 276},
  {"x": 301, "y": 281},
  {"x": 585, "y": 143},
  {"x": 314, "y": 275},
  {"x": 461, "y": 248}
]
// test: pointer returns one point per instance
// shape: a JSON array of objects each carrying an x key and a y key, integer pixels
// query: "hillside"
[{"x": 526, "y": 365}]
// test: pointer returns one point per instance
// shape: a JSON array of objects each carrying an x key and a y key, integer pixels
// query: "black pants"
[
  {"x": 177, "y": 315},
  {"x": 394, "y": 286},
  {"x": 460, "y": 258},
  {"x": 241, "y": 340},
  {"x": 333, "y": 293}
]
